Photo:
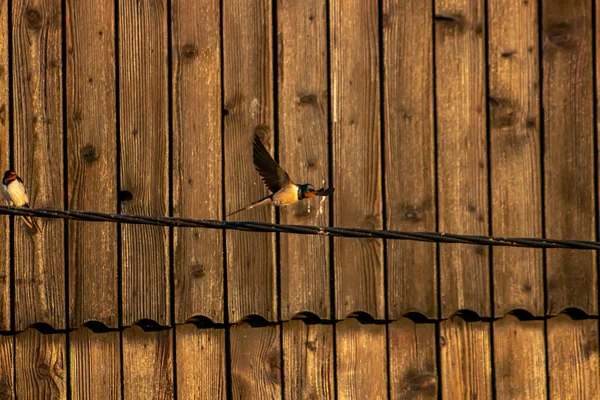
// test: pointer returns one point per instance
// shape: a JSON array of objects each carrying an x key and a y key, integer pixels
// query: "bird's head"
[
  {"x": 9, "y": 176},
  {"x": 306, "y": 191}
]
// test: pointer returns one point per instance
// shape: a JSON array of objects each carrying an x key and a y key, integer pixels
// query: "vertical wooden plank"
[
  {"x": 308, "y": 360},
  {"x": 255, "y": 362},
  {"x": 5, "y": 283},
  {"x": 465, "y": 357},
  {"x": 144, "y": 157},
  {"x": 515, "y": 153},
  {"x": 7, "y": 367},
  {"x": 413, "y": 365},
  {"x": 198, "y": 253},
  {"x": 569, "y": 152},
  {"x": 303, "y": 149},
  {"x": 38, "y": 149},
  {"x": 573, "y": 358},
  {"x": 519, "y": 359},
  {"x": 248, "y": 91},
  {"x": 95, "y": 364},
  {"x": 147, "y": 364},
  {"x": 200, "y": 363},
  {"x": 356, "y": 155},
  {"x": 409, "y": 154},
  {"x": 361, "y": 360},
  {"x": 40, "y": 365},
  {"x": 462, "y": 153},
  {"x": 91, "y": 130}
]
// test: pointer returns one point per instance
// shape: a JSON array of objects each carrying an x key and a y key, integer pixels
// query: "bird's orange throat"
[{"x": 308, "y": 195}]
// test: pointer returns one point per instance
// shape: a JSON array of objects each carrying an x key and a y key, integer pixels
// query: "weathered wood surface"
[
  {"x": 37, "y": 72},
  {"x": 413, "y": 365},
  {"x": 409, "y": 155},
  {"x": 519, "y": 359},
  {"x": 92, "y": 173},
  {"x": 144, "y": 137},
  {"x": 466, "y": 365},
  {"x": 303, "y": 148},
  {"x": 355, "y": 120},
  {"x": 255, "y": 362},
  {"x": 95, "y": 364},
  {"x": 248, "y": 102},
  {"x": 516, "y": 175},
  {"x": 308, "y": 360},
  {"x": 568, "y": 101},
  {"x": 200, "y": 364},
  {"x": 147, "y": 364},
  {"x": 40, "y": 365},
  {"x": 197, "y": 169},
  {"x": 462, "y": 153},
  {"x": 573, "y": 358},
  {"x": 5, "y": 125},
  {"x": 7, "y": 367},
  {"x": 361, "y": 360}
]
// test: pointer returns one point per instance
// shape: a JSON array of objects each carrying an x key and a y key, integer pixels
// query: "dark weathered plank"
[
  {"x": 200, "y": 363},
  {"x": 515, "y": 153},
  {"x": 466, "y": 370},
  {"x": 5, "y": 309},
  {"x": 308, "y": 360},
  {"x": 197, "y": 178},
  {"x": 95, "y": 364},
  {"x": 303, "y": 149},
  {"x": 573, "y": 358},
  {"x": 519, "y": 359},
  {"x": 38, "y": 149},
  {"x": 356, "y": 155},
  {"x": 147, "y": 364},
  {"x": 144, "y": 133},
  {"x": 462, "y": 153},
  {"x": 361, "y": 360},
  {"x": 255, "y": 362},
  {"x": 91, "y": 130},
  {"x": 569, "y": 152},
  {"x": 40, "y": 365},
  {"x": 248, "y": 85},
  {"x": 7, "y": 367},
  {"x": 413, "y": 371},
  {"x": 409, "y": 154}
]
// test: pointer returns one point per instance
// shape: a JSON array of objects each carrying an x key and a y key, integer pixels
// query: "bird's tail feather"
[
  {"x": 31, "y": 223},
  {"x": 255, "y": 204}
]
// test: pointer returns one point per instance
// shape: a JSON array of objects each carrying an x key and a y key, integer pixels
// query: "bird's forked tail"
[{"x": 255, "y": 204}]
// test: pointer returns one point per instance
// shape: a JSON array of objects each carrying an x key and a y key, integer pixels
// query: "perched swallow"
[
  {"x": 14, "y": 192},
  {"x": 284, "y": 191}
]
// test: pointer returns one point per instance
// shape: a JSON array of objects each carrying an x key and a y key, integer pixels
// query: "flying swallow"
[
  {"x": 14, "y": 192},
  {"x": 283, "y": 191}
]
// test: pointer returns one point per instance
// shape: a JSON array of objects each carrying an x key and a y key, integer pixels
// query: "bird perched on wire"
[
  {"x": 14, "y": 192},
  {"x": 284, "y": 191}
]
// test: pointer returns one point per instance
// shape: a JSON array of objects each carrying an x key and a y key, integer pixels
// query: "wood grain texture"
[
  {"x": 147, "y": 364},
  {"x": 144, "y": 134},
  {"x": 413, "y": 365},
  {"x": 5, "y": 125},
  {"x": 573, "y": 358},
  {"x": 308, "y": 360},
  {"x": 248, "y": 91},
  {"x": 255, "y": 362},
  {"x": 91, "y": 130},
  {"x": 7, "y": 367},
  {"x": 200, "y": 363},
  {"x": 38, "y": 151},
  {"x": 462, "y": 153},
  {"x": 519, "y": 359},
  {"x": 303, "y": 150},
  {"x": 569, "y": 152},
  {"x": 40, "y": 365},
  {"x": 361, "y": 360},
  {"x": 466, "y": 369},
  {"x": 197, "y": 172},
  {"x": 95, "y": 364},
  {"x": 515, "y": 162},
  {"x": 354, "y": 47},
  {"x": 409, "y": 155}
]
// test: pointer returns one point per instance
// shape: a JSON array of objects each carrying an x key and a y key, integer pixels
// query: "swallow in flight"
[
  {"x": 14, "y": 192},
  {"x": 283, "y": 191}
]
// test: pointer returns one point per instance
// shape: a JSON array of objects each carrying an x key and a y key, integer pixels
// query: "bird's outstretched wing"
[{"x": 271, "y": 173}]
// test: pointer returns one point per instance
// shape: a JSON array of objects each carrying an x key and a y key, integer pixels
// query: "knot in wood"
[
  {"x": 307, "y": 99},
  {"x": 197, "y": 271},
  {"x": 33, "y": 19},
  {"x": 89, "y": 153},
  {"x": 502, "y": 113},
  {"x": 189, "y": 50},
  {"x": 413, "y": 214},
  {"x": 264, "y": 133},
  {"x": 560, "y": 35}
]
